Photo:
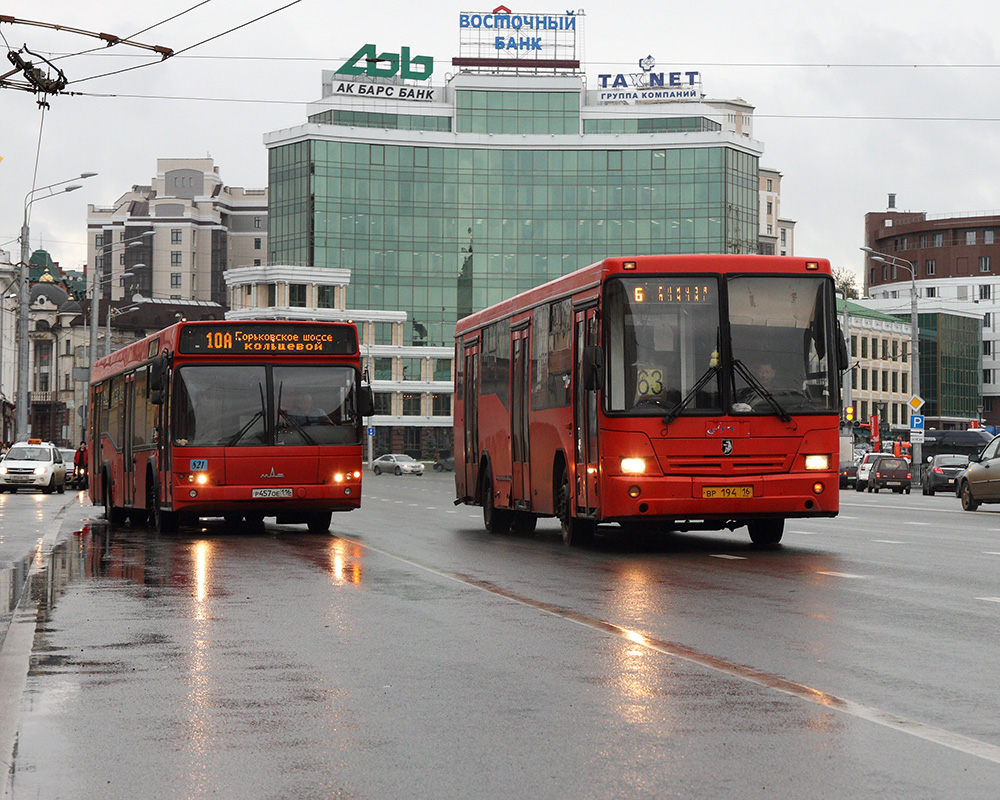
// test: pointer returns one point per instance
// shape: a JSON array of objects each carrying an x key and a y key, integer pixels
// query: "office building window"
[
  {"x": 176, "y": 258},
  {"x": 984, "y": 291},
  {"x": 930, "y": 266},
  {"x": 987, "y": 376},
  {"x": 441, "y": 405},
  {"x": 987, "y": 347},
  {"x": 256, "y": 243},
  {"x": 175, "y": 280},
  {"x": 175, "y": 236},
  {"x": 970, "y": 237},
  {"x": 272, "y": 294},
  {"x": 411, "y": 405},
  {"x": 984, "y": 263},
  {"x": 987, "y": 237},
  {"x": 256, "y": 222},
  {"x": 932, "y": 291},
  {"x": 906, "y": 383},
  {"x": 297, "y": 295},
  {"x": 325, "y": 297},
  {"x": 939, "y": 240}
]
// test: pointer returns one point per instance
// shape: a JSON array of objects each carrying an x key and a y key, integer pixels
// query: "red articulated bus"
[
  {"x": 675, "y": 392},
  {"x": 241, "y": 419}
]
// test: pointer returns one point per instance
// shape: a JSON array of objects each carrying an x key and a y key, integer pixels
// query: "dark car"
[
  {"x": 446, "y": 464},
  {"x": 980, "y": 482},
  {"x": 890, "y": 472},
  {"x": 941, "y": 472},
  {"x": 848, "y": 474}
]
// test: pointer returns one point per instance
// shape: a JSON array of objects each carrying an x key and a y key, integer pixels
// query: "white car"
[
  {"x": 398, "y": 464},
  {"x": 33, "y": 464},
  {"x": 865, "y": 469}
]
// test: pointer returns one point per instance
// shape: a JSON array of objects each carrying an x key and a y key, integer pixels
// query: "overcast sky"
[{"x": 853, "y": 99}]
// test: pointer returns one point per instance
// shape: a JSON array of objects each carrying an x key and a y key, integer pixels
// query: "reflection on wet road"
[{"x": 426, "y": 658}]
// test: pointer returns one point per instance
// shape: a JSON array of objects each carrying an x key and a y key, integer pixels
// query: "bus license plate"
[
  {"x": 269, "y": 493},
  {"x": 726, "y": 492}
]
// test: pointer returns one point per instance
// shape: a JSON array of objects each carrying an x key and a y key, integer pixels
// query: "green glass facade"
[
  {"x": 442, "y": 224},
  {"x": 951, "y": 365}
]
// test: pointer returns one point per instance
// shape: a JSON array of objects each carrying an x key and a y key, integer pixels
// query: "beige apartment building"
[{"x": 174, "y": 238}]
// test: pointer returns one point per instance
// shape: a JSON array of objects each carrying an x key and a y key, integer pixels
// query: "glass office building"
[{"x": 443, "y": 201}]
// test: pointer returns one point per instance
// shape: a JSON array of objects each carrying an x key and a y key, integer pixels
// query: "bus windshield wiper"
[
  {"x": 246, "y": 428},
  {"x": 740, "y": 369},
  {"x": 674, "y": 412},
  {"x": 283, "y": 414}
]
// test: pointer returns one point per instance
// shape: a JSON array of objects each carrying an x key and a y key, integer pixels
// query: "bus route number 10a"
[{"x": 219, "y": 340}]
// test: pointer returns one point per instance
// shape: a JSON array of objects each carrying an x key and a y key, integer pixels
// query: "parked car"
[
  {"x": 942, "y": 470},
  {"x": 446, "y": 464},
  {"x": 980, "y": 481},
  {"x": 848, "y": 474},
  {"x": 864, "y": 470},
  {"x": 398, "y": 464},
  {"x": 890, "y": 472},
  {"x": 33, "y": 464}
]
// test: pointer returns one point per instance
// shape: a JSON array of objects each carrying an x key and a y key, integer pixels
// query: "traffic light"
[{"x": 849, "y": 414}]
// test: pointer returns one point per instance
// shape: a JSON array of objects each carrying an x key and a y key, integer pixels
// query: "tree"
[{"x": 846, "y": 282}]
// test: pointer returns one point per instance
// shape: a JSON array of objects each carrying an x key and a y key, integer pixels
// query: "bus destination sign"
[
  {"x": 683, "y": 293},
  {"x": 267, "y": 339}
]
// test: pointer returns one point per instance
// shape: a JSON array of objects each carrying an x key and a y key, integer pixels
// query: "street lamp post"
[
  {"x": 885, "y": 258},
  {"x": 23, "y": 375}
]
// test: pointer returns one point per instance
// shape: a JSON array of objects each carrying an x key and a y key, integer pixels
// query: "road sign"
[
  {"x": 916, "y": 436},
  {"x": 916, "y": 422},
  {"x": 916, "y": 402},
  {"x": 371, "y": 430}
]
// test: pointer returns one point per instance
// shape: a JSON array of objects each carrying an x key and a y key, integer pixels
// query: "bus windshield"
[
  {"x": 662, "y": 344},
  {"x": 782, "y": 344},
  {"x": 665, "y": 353},
  {"x": 254, "y": 405}
]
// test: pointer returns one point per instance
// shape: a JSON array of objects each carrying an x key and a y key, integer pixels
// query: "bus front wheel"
[
  {"x": 161, "y": 521},
  {"x": 495, "y": 520},
  {"x": 766, "y": 532},
  {"x": 320, "y": 522},
  {"x": 113, "y": 514},
  {"x": 575, "y": 531}
]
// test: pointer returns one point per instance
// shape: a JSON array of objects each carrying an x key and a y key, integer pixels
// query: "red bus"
[
  {"x": 676, "y": 392},
  {"x": 242, "y": 419}
]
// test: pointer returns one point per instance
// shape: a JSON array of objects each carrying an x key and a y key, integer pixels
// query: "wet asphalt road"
[{"x": 410, "y": 654}]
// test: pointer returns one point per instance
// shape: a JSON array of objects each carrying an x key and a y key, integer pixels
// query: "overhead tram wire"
[
  {"x": 191, "y": 47},
  {"x": 104, "y": 49}
]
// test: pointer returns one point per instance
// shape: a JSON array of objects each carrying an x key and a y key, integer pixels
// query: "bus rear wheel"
[
  {"x": 766, "y": 532},
  {"x": 575, "y": 531},
  {"x": 113, "y": 514}
]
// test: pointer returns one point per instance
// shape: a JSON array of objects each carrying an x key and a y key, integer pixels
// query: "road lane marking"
[
  {"x": 990, "y": 599},
  {"x": 726, "y": 555},
  {"x": 895, "y": 722},
  {"x": 990, "y": 553},
  {"x": 888, "y": 541},
  {"x": 838, "y": 574},
  {"x": 911, "y": 522}
]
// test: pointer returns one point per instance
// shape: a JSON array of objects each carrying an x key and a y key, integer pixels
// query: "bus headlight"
[
  {"x": 633, "y": 466},
  {"x": 817, "y": 462},
  {"x": 339, "y": 477},
  {"x": 201, "y": 478}
]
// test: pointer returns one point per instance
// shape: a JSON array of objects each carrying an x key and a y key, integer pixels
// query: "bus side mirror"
[
  {"x": 158, "y": 375},
  {"x": 842, "y": 354},
  {"x": 366, "y": 401},
  {"x": 156, "y": 397},
  {"x": 593, "y": 367}
]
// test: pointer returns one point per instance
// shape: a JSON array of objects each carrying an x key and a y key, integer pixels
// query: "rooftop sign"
[
  {"x": 648, "y": 86},
  {"x": 503, "y": 38}
]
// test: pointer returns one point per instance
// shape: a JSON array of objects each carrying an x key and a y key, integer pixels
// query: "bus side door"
[
  {"x": 471, "y": 412},
  {"x": 519, "y": 401},
  {"x": 128, "y": 453},
  {"x": 585, "y": 415}
]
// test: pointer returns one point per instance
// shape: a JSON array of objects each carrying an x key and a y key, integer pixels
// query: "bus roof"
[{"x": 591, "y": 276}]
